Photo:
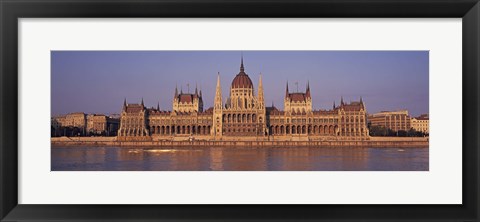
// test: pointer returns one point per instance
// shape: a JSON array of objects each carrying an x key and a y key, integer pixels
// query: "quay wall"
[{"x": 383, "y": 142}]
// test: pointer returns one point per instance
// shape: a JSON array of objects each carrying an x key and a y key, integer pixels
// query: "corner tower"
[{"x": 218, "y": 110}]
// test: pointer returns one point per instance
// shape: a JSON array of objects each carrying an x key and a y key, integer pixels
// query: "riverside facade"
[{"x": 243, "y": 116}]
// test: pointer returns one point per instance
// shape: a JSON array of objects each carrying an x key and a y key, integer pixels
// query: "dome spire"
[{"x": 242, "y": 68}]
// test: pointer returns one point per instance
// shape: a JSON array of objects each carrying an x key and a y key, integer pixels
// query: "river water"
[{"x": 238, "y": 159}]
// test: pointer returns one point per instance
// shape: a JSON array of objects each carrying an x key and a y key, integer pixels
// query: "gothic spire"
[
  {"x": 308, "y": 89},
  {"x": 218, "y": 94},
  {"x": 242, "y": 68},
  {"x": 176, "y": 91},
  {"x": 196, "y": 91},
  {"x": 333, "y": 104},
  {"x": 158, "y": 106},
  {"x": 125, "y": 103},
  {"x": 286, "y": 91},
  {"x": 142, "y": 102},
  {"x": 260, "y": 92},
  {"x": 341, "y": 101},
  {"x": 361, "y": 100}
]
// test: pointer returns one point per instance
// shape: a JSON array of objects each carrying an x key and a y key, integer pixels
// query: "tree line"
[{"x": 383, "y": 131}]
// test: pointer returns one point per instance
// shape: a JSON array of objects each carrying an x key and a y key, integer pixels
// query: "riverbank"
[{"x": 374, "y": 142}]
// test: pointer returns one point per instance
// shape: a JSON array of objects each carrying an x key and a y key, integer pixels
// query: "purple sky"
[{"x": 98, "y": 81}]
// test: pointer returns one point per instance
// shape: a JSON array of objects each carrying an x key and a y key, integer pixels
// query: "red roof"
[
  {"x": 242, "y": 81},
  {"x": 159, "y": 112},
  {"x": 297, "y": 97},
  {"x": 134, "y": 108},
  {"x": 323, "y": 112},
  {"x": 353, "y": 106},
  {"x": 185, "y": 98},
  {"x": 423, "y": 117}
]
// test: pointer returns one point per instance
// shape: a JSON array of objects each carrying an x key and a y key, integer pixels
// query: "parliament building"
[{"x": 243, "y": 116}]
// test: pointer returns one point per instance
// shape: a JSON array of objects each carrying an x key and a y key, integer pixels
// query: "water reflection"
[{"x": 238, "y": 159}]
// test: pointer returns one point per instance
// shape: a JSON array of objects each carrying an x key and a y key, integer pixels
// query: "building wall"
[
  {"x": 170, "y": 124},
  {"x": 72, "y": 124},
  {"x": 133, "y": 123},
  {"x": 244, "y": 115},
  {"x": 395, "y": 120},
  {"x": 420, "y": 123}
]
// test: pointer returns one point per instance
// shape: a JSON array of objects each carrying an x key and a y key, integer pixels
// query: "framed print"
[{"x": 224, "y": 110}]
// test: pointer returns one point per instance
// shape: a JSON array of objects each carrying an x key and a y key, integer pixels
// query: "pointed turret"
[
  {"x": 286, "y": 91},
  {"x": 361, "y": 100},
  {"x": 261, "y": 100},
  {"x": 158, "y": 106},
  {"x": 124, "y": 103},
  {"x": 176, "y": 91},
  {"x": 196, "y": 91},
  {"x": 341, "y": 101},
  {"x": 333, "y": 104},
  {"x": 218, "y": 94},
  {"x": 217, "y": 111},
  {"x": 142, "y": 102},
  {"x": 308, "y": 90}
]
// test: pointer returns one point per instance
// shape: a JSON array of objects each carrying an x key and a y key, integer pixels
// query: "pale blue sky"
[{"x": 98, "y": 81}]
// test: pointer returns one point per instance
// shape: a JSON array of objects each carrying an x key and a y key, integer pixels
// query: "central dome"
[{"x": 242, "y": 80}]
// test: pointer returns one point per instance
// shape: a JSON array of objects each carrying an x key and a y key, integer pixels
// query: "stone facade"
[
  {"x": 420, "y": 123},
  {"x": 81, "y": 124},
  {"x": 133, "y": 122},
  {"x": 72, "y": 124},
  {"x": 394, "y": 120},
  {"x": 243, "y": 116},
  {"x": 99, "y": 124}
]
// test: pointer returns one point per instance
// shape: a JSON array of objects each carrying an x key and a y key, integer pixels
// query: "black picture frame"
[{"x": 11, "y": 11}]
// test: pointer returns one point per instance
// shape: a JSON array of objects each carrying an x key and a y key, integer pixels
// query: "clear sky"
[{"x": 98, "y": 81}]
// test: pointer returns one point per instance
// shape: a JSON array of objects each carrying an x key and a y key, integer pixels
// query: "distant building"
[
  {"x": 394, "y": 120},
  {"x": 72, "y": 124},
  {"x": 243, "y": 116},
  {"x": 81, "y": 124},
  {"x": 99, "y": 124},
  {"x": 114, "y": 116},
  {"x": 420, "y": 123},
  {"x": 75, "y": 120}
]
